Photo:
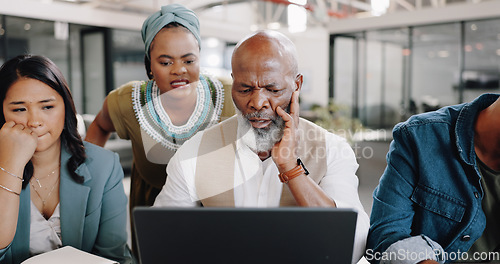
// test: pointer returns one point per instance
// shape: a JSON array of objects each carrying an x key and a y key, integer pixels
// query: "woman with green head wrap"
[{"x": 160, "y": 114}]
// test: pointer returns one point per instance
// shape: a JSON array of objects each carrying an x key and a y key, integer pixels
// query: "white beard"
[{"x": 259, "y": 139}]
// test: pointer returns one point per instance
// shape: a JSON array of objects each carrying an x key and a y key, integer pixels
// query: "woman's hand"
[{"x": 18, "y": 144}]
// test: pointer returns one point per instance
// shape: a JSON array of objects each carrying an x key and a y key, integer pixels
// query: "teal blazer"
[{"x": 93, "y": 214}]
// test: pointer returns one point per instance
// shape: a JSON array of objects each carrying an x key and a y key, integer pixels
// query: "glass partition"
[
  {"x": 38, "y": 37},
  {"x": 128, "y": 57},
  {"x": 345, "y": 72},
  {"x": 482, "y": 58},
  {"x": 386, "y": 51},
  {"x": 385, "y": 76},
  {"x": 435, "y": 66}
]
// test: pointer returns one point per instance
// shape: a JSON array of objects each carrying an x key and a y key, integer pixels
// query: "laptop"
[{"x": 244, "y": 235}]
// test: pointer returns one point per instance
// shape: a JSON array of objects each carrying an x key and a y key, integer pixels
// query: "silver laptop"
[{"x": 243, "y": 235}]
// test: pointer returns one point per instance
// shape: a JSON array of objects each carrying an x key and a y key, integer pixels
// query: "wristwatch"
[{"x": 285, "y": 177}]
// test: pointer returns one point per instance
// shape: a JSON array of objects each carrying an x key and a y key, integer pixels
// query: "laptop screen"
[{"x": 244, "y": 235}]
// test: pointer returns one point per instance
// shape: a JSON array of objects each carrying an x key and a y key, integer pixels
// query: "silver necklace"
[
  {"x": 48, "y": 195},
  {"x": 38, "y": 179}
]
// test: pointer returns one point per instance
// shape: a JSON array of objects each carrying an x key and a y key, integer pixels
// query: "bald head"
[
  {"x": 265, "y": 76},
  {"x": 266, "y": 47}
]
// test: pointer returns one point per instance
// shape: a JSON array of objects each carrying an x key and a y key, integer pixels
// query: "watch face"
[{"x": 299, "y": 162}]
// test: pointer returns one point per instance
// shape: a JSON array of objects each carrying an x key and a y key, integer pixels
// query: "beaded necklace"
[{"x": 155, "y": 121}]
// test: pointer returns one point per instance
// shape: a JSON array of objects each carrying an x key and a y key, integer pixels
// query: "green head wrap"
[{"x": 168, "y": 14}]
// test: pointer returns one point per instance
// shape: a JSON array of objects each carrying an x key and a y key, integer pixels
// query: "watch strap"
[{"x": 300, "y": 169}]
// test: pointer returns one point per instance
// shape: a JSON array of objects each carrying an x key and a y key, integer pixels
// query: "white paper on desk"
[{"x": 67, "y": 255}]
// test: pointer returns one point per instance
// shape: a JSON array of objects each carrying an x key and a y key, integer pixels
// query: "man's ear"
[{"x": 298, "y": 81}]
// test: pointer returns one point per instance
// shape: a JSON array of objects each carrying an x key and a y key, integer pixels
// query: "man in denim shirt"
[{"x": 440, "y": 190}]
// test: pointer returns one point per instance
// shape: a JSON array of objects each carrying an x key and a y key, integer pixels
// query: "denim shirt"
[{"x": 429, "y": 198}]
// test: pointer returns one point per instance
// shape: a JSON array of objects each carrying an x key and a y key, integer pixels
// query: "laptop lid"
[{"x": 244, "y": 235}]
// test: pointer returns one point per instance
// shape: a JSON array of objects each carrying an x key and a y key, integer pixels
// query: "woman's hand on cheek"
[{"x": 18, "y": 144}]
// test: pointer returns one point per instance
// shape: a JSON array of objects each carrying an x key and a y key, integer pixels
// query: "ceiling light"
[
  {"x": 297, "y": 18},
  {"x": 214, "y": 60},
  {"x": 212, "y": 42},
  {"x": 274, "y": 25},
  {"x": 379, "y": 7},
  {"x": 443, "y": 54},
  {"x": 61, "y": 30}
]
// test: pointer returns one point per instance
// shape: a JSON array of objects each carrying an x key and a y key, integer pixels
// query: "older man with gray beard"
[
  {"x": 266, "y": 156},
  {"x": 261, "y": 140}
]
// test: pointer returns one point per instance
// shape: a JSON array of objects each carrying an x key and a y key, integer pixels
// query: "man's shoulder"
[
  {"x": 190, "y": 146},
  {"x": 445, "y": 116},
  {"x": 308, "y": 129},
  {"x": 305, "y": 124},
  {"x": 448, "y": 115},
  {"x": 224, "y": 130},
  {"x": 212, "y": 135},
  {"x": 231, "y": 122}
]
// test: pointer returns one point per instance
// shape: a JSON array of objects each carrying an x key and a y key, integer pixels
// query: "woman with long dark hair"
[{"x": 55, "y": 190}]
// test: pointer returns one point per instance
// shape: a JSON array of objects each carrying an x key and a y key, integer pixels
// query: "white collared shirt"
[{"x": 258, "y": 185}]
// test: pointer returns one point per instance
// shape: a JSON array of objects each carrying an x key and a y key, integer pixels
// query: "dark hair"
[
  {"x": 147, "y": 61},
  {"x": 43, "y": 69}
]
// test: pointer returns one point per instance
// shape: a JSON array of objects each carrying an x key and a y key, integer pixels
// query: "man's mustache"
[{"x": 259, "y": 114}]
